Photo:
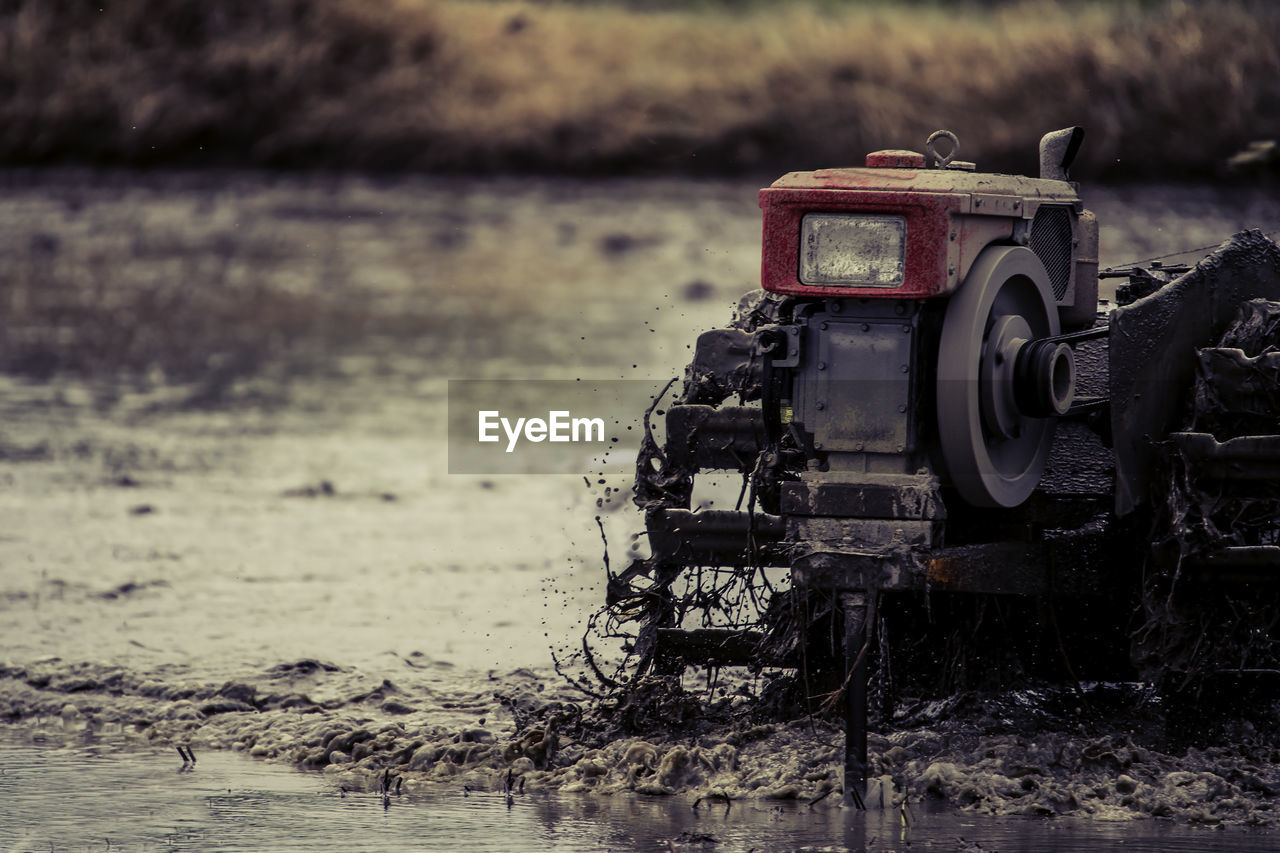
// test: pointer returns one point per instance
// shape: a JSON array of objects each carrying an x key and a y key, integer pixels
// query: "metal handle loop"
[{"x": 940, "y": 161}]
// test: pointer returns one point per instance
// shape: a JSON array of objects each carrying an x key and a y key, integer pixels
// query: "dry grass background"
[{"x": 1163, "y": 88}]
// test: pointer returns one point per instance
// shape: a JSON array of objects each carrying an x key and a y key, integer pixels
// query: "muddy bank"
[{"x": 1020, "y": 753}]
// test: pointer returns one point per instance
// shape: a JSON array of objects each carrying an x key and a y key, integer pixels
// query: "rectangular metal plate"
[{"x": 857, "y": 385}]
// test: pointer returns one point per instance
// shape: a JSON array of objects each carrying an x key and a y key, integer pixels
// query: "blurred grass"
[{"x": 1164, "y": 88}]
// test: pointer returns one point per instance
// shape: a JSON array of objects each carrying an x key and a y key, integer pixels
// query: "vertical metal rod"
[{"x": 855, "y": 733}]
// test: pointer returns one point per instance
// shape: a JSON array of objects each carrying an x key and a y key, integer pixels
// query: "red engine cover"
[{"x": 929, "y": 233}]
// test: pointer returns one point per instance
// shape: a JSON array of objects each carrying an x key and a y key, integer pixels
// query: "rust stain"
[{"x": 941, "y": 570}]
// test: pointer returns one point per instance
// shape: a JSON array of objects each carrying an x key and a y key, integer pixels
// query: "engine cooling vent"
[{"x": 1051, "y": 241}]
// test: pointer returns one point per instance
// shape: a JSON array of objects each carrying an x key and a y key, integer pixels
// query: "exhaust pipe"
[{"x": 1057, "y": 152}]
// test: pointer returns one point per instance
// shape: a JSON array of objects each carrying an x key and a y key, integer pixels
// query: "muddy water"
[
  {"x": 90, "y": 796},
  {"x": 266, "y": 552}
]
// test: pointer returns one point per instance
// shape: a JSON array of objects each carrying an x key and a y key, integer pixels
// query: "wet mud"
[
  {"x": 1031, "y": 752},
  {"x": 276, "y": 561}
]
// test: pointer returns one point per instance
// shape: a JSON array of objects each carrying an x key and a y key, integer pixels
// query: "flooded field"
[
  {"x": 228, "y": 522},
  {"x": 145, "y": 801}
]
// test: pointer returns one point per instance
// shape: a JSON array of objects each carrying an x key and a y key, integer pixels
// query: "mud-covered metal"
[
  {"x": 1211, "y": 589},
  {"x": 1240, "y": 377},
  {"x": 1236, "y": 460},
  {"x": 911, "y": 497},
  {"x": 703, "y": 437},
  {"x": 1087, "y": 554},
  {"x": 725, "y": 362},
  {"x": 1153, "y": 347},
  {"x": 717, "y": 537}
]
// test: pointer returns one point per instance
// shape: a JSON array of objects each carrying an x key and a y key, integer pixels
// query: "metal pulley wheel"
[{"x": 994, "y": 452}]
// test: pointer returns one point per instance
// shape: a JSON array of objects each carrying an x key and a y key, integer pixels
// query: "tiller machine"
[{"x": 926, "y": 399}]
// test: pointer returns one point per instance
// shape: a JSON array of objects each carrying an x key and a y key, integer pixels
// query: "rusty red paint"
[
  {"x": 928, "y": 216},
  {"x": 895, "y": 160},
  {"x": 856, "y": 179}
]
